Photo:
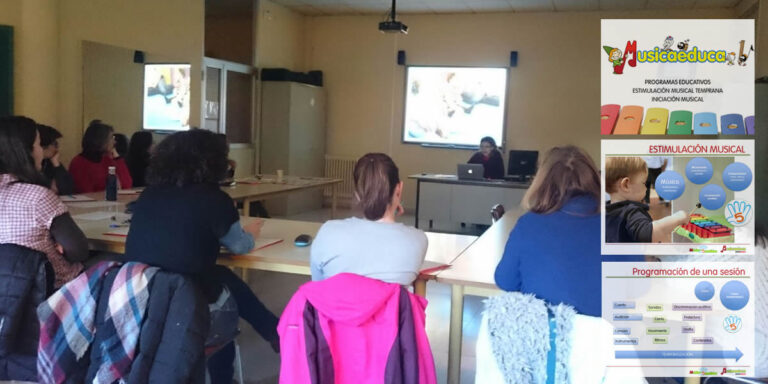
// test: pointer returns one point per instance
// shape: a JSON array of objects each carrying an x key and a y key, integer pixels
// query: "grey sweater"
[{"x": 391, "y": 252}]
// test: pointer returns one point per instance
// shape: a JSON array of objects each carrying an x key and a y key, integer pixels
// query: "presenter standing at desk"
[{"x": 490, "y": 157}]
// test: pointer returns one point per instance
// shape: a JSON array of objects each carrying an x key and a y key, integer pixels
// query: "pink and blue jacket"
[{"x": 352, "y": 329}]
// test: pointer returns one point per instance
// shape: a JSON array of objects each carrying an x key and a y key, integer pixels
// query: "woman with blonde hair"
[{"x": 554, "y": 249}]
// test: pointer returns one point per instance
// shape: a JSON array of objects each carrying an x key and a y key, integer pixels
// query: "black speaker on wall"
[
  {"x": 400, "y": 57},
  {"x": 513, "y": 59},
  {"x": 138, "y": 57}
]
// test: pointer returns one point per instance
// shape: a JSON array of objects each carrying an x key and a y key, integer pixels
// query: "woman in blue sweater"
[{"x": 554, "y": 250}]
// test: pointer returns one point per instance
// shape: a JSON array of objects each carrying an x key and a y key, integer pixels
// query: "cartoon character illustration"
[
  {"x": 668, "y": 42},
  {"x": 743, "y": 58},
  {"x": 731, "y": 58},
  {"x": 683, "y": 45},
  {"x": 615, "y": 56}
]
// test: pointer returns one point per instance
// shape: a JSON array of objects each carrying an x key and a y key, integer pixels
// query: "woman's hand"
[{"x": 254, "y": 227}]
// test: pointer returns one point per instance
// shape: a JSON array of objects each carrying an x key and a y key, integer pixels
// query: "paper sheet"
[
  {"x": 95, "y": 204},
  {"x": 121, "y": 231},
  {"x": 75, "y": 198},
  {"x": 98, "y": 215}
]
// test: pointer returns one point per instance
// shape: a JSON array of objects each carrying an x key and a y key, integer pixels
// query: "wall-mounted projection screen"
[{"x": 454, "y": 106}]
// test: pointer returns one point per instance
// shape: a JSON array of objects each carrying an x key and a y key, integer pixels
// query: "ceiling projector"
[{"x": 392, "y": 26}]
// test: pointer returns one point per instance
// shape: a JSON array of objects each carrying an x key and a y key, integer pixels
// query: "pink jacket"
[{"x": 352, "y": 329}]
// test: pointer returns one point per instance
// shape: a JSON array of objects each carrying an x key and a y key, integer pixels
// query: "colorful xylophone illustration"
[
  {"x": 628, "y": 120},
  {"x": 703, "y": 229}
]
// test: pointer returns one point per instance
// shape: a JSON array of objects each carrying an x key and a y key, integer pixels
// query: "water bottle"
[{"x": 111, "y": 184}]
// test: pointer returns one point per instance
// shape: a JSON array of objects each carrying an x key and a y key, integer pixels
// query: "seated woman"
[
  {"x": 490, "y": 157},
  {"x": 138, "y": 157},
  {"x": 121, "y": 144},
  {"x": 60, "y": 180},
  {"x": 554, "y": 249},
  {"x": 376, "y": 246},
  {"x": 182, "y": 218},
  {"x": 89, "y": 169},
  {"x": 32, "y": 215}
]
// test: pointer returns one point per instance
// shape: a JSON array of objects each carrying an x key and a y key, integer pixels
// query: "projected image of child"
[
  {"x": 454, "y": 105},
  {"x": 166, "y": 100}
]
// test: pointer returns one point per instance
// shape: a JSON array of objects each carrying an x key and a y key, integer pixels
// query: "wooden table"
[
  {"x": 472, "y": 273},
  {"x": 252, "y": 189},
  {"x": 282, "y": 257}
]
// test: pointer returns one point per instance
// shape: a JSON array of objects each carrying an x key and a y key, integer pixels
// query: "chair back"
[
  {"x": 497, "y": 211},
  {"x": 26, "y": 280}
]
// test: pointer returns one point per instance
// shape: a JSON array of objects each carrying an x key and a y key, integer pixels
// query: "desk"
[
  {"x": 251, "y": 189},
  {"x": 445, "y": 198},
  {"x": 282, "y": 257},
  {"x": 473, "y": 273}
]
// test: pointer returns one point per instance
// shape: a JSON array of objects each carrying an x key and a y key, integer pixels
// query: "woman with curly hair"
[{"x": 182, "y": 219}]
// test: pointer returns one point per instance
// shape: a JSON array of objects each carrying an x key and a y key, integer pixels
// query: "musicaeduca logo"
[{"x": 683, "y": 52}]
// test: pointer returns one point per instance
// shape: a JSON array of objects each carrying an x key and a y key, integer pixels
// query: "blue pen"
[{"x": 118, "y": 225}]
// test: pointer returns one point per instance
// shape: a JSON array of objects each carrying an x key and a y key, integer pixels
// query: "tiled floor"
[{"x": 261, "y": 365}]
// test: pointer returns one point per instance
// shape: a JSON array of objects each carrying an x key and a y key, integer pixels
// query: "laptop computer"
[
  {"x": 522, "y": 164},
  {"x": 470, "y": 171}
]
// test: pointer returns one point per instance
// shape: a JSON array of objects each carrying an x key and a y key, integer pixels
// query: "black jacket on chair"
[
  {"x": 26, "y": 278},
  {"x": 171, "y": 344}
]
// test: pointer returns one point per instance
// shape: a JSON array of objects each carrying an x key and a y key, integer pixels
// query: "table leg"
[
  {"x": 420, "y": 287},
  {"x": 454, "y": 334},
  {"x": 333, "y": 201},
  {"x": 416, "y": 212},
  {"x": 247, "y": 207}
]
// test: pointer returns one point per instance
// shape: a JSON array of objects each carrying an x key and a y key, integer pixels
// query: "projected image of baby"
[
  {"x": 453, "y": 105},
  {"x": 167, "y": 98}
]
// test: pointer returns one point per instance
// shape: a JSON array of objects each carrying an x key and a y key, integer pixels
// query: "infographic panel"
[
  {"x": 681, "y": 197},
  {"x": 677, "y": 77},
  {"x": 681, "y": 319}
]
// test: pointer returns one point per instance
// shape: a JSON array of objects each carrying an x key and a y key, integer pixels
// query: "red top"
[{"x": 92, "y": 177}]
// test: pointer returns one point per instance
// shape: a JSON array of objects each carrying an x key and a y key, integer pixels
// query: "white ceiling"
[{"x": 341, "y": 7}]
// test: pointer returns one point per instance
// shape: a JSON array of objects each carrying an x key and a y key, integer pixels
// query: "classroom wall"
[
  {"x": 170, "y": 28},
  {"x": 112, "y": 87},
  {"x": 761, "y": 33},
  {"x": 280, "y": 37},
  {"x": 229, "y": 30},
  {"x": 554, "y": 92},
  {"x": 36, "y": 60}
]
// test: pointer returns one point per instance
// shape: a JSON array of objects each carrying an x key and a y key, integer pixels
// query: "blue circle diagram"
[
  {"x": 712, "y": 197},
  {"x": 670, "y": 185},
  {"x": 734, "y": 295},
  {"x": 737, "y": 176},
  {"x": 698, "y": 170},
  {"x": 704, "y": 291}
]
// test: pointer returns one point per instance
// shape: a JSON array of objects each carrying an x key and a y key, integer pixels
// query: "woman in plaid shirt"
[{"x": 32, "y": 215}]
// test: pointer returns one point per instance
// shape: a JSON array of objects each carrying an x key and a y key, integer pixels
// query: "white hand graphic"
[{"x": 738, "y": 212}]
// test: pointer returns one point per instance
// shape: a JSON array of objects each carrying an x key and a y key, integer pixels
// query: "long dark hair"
[
  {"x": 17, "y": 139},
  {"x": 95, "y": 140},
  {"x": 138, "y": 149},
  {"x": 121, "y": 144},
  {"x": 193, "y": 157},
  {"x": 376, "y": 177},
  {"x": 48, "y": 135}
]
